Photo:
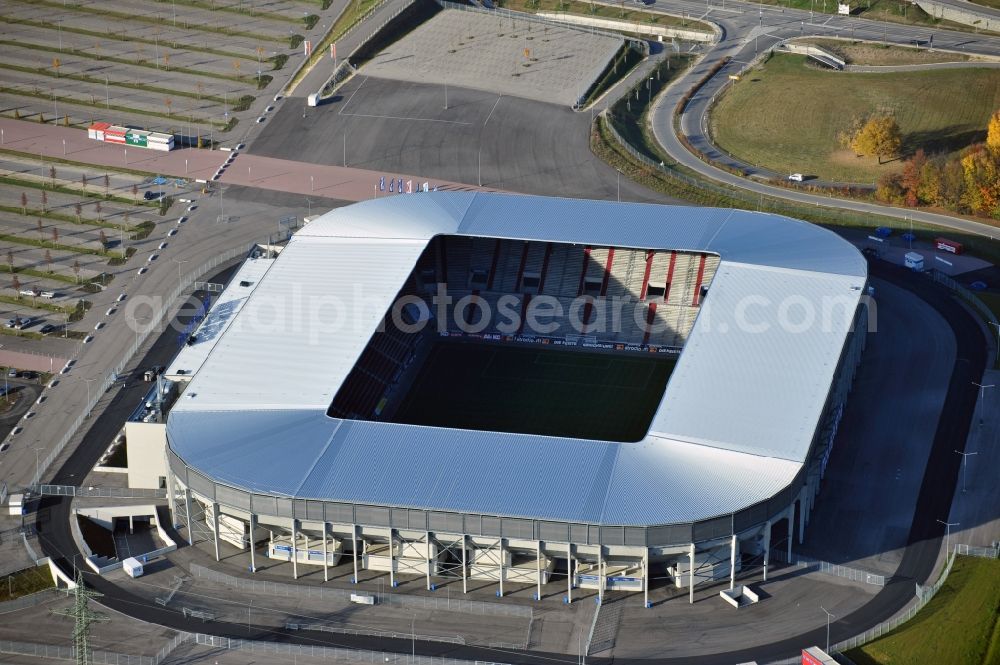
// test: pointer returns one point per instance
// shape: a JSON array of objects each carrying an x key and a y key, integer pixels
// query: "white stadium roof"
[{"x": 734, "y": 427}]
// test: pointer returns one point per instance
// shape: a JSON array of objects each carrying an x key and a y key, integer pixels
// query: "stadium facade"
[{"x": 283, "y": 431}]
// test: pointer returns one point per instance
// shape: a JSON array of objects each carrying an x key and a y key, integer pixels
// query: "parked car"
[
  {"x": 12, "y": 373},
  {"x": 22, "y": 324},
  {"x": 46, "y": 329},
  {"x": 797, "y": 177},
  {"x": 151, "y": 195},
  {"x": 48, "y": 294},
  {"x": 11, "y": 322}
]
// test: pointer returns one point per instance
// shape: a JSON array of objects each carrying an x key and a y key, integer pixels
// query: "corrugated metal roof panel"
[{"x": 736, "y": 421}]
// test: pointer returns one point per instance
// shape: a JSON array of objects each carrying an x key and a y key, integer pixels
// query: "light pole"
[
  {"x": 64, "y": 147},
  {"x": 982, "y": 396},
  {"x": 965, "y": 464},
  {"x": 312, "y": 184},
  {"x": 88, "y": 382},
  {"x": 947, "y": 536},
  {"x": 179, "y": 262},
  {"x": 185, "y": 167},
  {"x": 828, "y": 617}
]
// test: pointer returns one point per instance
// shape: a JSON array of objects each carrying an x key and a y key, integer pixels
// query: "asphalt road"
[
  {"x": 918, "y": 561},
  {"x": 751, "y": 29}
]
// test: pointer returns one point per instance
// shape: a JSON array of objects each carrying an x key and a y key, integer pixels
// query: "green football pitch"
[{"x": 531, "y": 391}]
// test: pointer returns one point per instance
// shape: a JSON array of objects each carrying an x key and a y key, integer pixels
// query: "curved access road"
[{"x": 749, "y": 30}]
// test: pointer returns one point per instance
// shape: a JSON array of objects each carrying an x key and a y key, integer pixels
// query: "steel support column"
[
  {"x": 171, "y": 495},
  {"x": 326, "y": 556},
  {"x": 600, "y": 573},
  {"x": 645, "y": 577},
  {"x": 691, "y": 575},
  {"x": 253, "y": 528},
  {"x": 791, "y": 531},
  {"x": 538, "y": 568},
  {"x": 767, "y": 546},
  {"x": 187, "y": 508},
  {"x": 354, "y": 546},
  {"x": 295, "y": 550},
  {"x": 215, "y": 523},
  {"x": 465, "y": 574},
  {"x": 500, "y": 592},
  {"x": 732, "y": 563},
  {"x": 392, "y": 560},
  {"x": 427, "y": 536},
  {"x": 569, "y": 573},
  {"x": 802, "y": 516}
]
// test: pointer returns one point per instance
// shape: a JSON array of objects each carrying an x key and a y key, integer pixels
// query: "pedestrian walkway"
[{"x": 333, "y": 182}]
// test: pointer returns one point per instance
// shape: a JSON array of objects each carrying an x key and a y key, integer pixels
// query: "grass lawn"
[
  {"x": 25, "y": 582},
  {"x": 958, "y": 627},
  {"x": 550, "y": 392},
  {"x": 785, "y": 115}
]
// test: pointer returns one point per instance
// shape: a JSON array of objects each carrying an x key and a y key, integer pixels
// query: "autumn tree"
[
  {"x": 48, "y": 260},
  {"x": 76, "y": 269},
  {"x": 981, "y": 172},
  {"x": 38, "y": 223},
  {"x": 993, "y": 132},
  {"x": 83, "y": 182},
  {"x": 135, "y": 193},
  {"x": 24, "y": 203},
  {"x": 10, "y": 260},
  {"x": 15, "y": 284},
  {"x": 912, "y": 172},
  {"x": 97, "y": 208},
  {"x": 45, "y": 200},
  {"x": 107, "y": 185},
  {"x": 55, "y": 65},
  {"x": 878, "y": 137},
  {"x": 55, "y": 235},
  {"x": 78, "y": 209},
  {"x": 104, "y": 239},
  {"x": 52, "y": 175}
]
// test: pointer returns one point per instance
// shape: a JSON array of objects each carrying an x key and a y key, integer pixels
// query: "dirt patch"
[
  {"x": 849, "y": 159},
  {"x": 862, "y": 53}
]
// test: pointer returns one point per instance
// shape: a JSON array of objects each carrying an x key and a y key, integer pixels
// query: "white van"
[{"x": 797, "y": 177}]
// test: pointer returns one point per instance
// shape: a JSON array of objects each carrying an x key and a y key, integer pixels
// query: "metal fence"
[
  {"x": 302, "y": 592},
  {"x": 327, "y": 628},
  {"x": 112, "y": 375},
  {"x": 853, "y": 574},
  {"x": 95, "y": 491},
  {"x": 69, "y": 653},
  {"x": 981, "y": 552},
  {"x": 327, "y": 653},
  {"x": 965, "y": 294},
  {"x": 31, "y": 600},
  {"x": 924, "y": 594}
]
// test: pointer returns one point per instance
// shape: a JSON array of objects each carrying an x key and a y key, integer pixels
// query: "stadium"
[{"x": 527, "y": 390}]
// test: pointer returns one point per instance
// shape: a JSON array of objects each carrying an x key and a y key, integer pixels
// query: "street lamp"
[
  {"x": 179, "y": 262},
  {"x": 947, "y": 535},
  {"x": 982, "y": 396},
  {"x": 828, "y": 617},
  {"x": 88, "y": 382},
  {"x": 38, "y": 467},
  {"x": 965, "y": 464}
]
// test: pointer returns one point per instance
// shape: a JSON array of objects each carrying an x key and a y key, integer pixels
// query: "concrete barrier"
[
  {"x": 815, "y": 52},
  {"x": 633, "y": 27},
  {"x": 966, "y": 15}
]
